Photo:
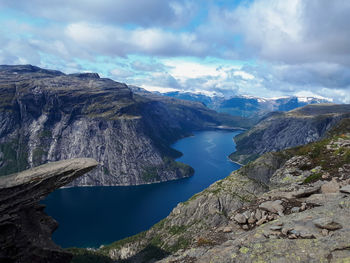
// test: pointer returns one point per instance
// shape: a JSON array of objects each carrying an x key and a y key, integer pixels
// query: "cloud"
[
  {"x": 142, "y": 13},
  {"x": 121, "y": 73},
  {"x": 118, "y": 41},
  {"x": 287, "y": 47},
  {"x": 148, "y": 67},
  {"x": 293, "y": 31}
]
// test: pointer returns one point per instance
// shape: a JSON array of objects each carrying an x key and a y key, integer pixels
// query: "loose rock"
[
  {"x": 241, "y": 219},
  {"x": 258, "y": 214},
  {"x": 227, "y": 229},
  {"x": 261, "y": 221},
  {"x": 275, "y": 227},
  {"x": 327, "y": 223},
  {"x": 345, "y": 189},
  {"x": 295, "y": 209},
  {"x": 330, "y": 187},
  {"x": 272, "y": 206}
]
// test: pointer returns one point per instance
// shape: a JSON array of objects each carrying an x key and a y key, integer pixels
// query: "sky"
[{"x": 264, "y": 48}]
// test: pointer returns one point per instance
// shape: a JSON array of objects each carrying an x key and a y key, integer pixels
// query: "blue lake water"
[{"x": 92, "y": 216}]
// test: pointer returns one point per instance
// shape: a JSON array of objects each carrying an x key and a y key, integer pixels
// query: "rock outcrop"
[
  {"x": 47, "y": 115},
  {"x": 282, "y": 130},
  {"x": 25, "y": 229},
  {"x": 288, "y": 206}
]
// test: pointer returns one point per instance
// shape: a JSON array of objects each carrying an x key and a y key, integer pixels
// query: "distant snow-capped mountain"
[{"x": 245, "y": 105}]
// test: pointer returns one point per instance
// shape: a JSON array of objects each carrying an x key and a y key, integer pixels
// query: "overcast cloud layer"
[{"x": 263, "y": 47}]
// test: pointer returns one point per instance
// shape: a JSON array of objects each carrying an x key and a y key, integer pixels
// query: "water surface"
[{"x": 91, "y": 216}]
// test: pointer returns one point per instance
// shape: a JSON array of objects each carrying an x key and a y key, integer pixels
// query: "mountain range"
[{"x": 244, "y": 106}]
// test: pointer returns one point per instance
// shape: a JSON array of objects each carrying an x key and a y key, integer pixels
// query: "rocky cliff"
[
  {"x": 281, "y": 130},
  {"x": 288, "y": 206},
  {"x": 25, "y": 229},
  {"x": 46, "y": 115}
]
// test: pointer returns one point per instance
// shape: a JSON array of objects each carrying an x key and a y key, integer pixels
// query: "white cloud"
[
  {"x": 243, "y": 74},
  {"x": 117, "y": 41},
  {"x": 121, "y": 73}
]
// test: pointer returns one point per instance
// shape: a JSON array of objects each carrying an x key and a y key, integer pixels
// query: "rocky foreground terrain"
[
  {"x": 25, "y": 229},
  {"x": 281, "y": 130},
  {"x": 288, "y": 206},
  {"x": 47, "y": 115}
]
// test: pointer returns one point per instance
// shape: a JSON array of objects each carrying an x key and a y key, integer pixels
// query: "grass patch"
[
  {"x": 176, "y": 230},
  {"x": 81, "y": 255},
  {"x": 14, "y": 157},
  {"x": 182, "y": 243},
  {"x": 38, "y": 154},
  {"x": 120, "y": 243},
  {"x": 312, "y": 178},
  {"x": 150, "y": 174},
  {"x": 203, "y": 242},
  {"x": 105, "y": 170}
]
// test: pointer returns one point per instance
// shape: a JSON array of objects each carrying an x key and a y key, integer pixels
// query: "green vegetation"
[
  {"x": 81, "y": 255},
  {"x": 14, "y": 156},
  {"x": 174, "y": 166},
  {"x": 105, "y": 170},
  {"x": 313, "y": 178},
  {"x": 176, "y": 230},
  {"x": 120, "y": 243},
  {"x": 7, "y": 92},
  {"x": 150, "y": 174},
  {"x": 201, "y": 242},
  {"x": 38, "y": 154},
  {"x": 181, "y": 243},
  {"x": 45, "y": 134}
]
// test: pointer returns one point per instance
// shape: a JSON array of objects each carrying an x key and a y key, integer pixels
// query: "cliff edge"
[{"x": 25, "y": 229}]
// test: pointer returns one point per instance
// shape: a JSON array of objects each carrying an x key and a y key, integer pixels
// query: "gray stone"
[
  {"x": 306, "y": 235},
  {"x": 251, "y": 219},
  {"x": 272, "y": 206},
  {"x": 304, "y": 192},
  {"x": 245, "y": 227},
  {"x": 227, "y": 229},
  {"x": 286, "y": 230},
  {"x": 327, "y": 223},
  {"x": 261, "y": 221},
  {"x": 295, "y": 209},
  {"x": 330, "y": 187},
  {"x": 275, "y": 227},
  {"x": 345, "y": 189},
  {"x": 246, "y": 214},
  {"x": 240, "y": 219},
  {"x": 258, "y": 214}
]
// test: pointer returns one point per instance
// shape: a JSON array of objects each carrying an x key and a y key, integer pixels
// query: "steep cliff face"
[
  {"x": 48, "y": 116},
  {"x": 25, "y": 229},
  {"x": 280, "y": 130},
  {"x": 288, "y": 206}
]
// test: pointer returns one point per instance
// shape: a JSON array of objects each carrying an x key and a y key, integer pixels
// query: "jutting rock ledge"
[{"x": 25, "y": 229}]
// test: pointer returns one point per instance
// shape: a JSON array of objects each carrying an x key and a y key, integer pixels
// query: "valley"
[{"x": 137, "y": 208}]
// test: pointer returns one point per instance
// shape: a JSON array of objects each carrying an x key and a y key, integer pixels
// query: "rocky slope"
[
  {"x": 25, "y": 230},
  {"x": 281, "y": 130},
  {"x": 288, "y": 206},
  {"x": 46, "y": 115}
]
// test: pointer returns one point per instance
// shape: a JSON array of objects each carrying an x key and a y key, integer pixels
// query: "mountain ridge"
[
  {"x": 243, "y": 105},
  {"x": 281, "y": 130}
]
